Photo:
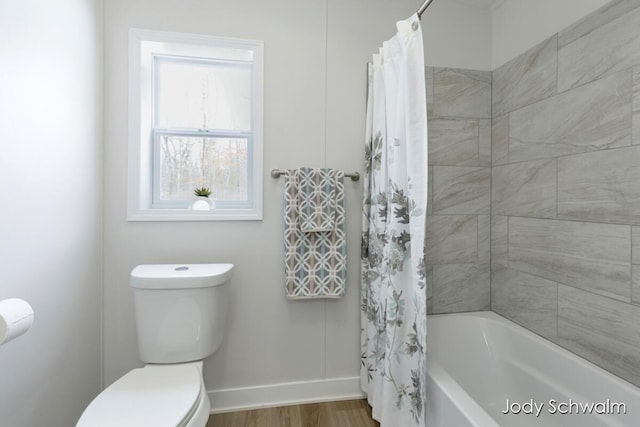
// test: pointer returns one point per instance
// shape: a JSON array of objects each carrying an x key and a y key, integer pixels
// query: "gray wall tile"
[
  {"x": 483, "y": 285},
  {"x": 430, "y": 190},
  {"x": 429, "y": 289},
  {"x": 452, "y": 239},
  {"x": 484, "y": 143},
  {"x": 528, "y": 300},
  {"x": 607, "y": 49},
  {"x": 595, "y": 257},
  {"x": 588, "y": 118},
  {"x": 500, "y": 140},
  {"x": 528, "y": 78},
  {"x": 484, "y": 239},
  {"x": 458, "y": 222},
  {"x": 462, "y": 93},
  {"x": 499, "y": 242},
  {"x": 607, "y": 13},
  {"x": 428, "y": 81},
  {"x": 589, "y": 128},
  {"x": 460, "y": 287},
  {"x": 453, "y": 142},
  {"x": 600, "y": 186},
  {"x": 635, "y": 106},
  {"x": 635, "y": 239},
  {"x": 461, "y": 190},
  {"x": 524, "y": 189},
  {"x": 602, "y": 330},
  {"x": 635, "y": 284}
]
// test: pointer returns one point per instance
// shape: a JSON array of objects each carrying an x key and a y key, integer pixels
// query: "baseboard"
[{"x": 266, "y": 396}]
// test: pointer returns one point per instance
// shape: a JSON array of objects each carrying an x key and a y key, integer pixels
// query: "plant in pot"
[{"x": 202, "y": 201}]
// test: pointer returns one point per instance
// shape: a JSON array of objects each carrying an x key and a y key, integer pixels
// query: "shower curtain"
[{"x": 393, "y": 282}]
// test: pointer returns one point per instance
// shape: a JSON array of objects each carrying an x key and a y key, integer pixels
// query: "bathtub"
[{"x": 480, "y": 365}]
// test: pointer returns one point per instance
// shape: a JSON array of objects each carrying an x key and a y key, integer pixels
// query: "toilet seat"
[{"x": 156, "y": 395}]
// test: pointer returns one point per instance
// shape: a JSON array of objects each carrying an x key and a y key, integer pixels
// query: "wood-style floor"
[{"x": 348, "y": 413}]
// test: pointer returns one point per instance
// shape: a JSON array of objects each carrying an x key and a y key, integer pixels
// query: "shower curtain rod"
[{"x": 424, "y": 7}]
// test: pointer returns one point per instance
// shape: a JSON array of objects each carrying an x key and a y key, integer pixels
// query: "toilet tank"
[{"x": 180, "y": 309}]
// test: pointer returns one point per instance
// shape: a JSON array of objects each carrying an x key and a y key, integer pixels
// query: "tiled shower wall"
[
  {"x": 458, "y": 220},
  {"x": 565, "y": 189}
]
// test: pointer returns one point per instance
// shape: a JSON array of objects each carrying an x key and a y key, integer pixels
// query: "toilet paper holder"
[{"x": 16, "y": 318}]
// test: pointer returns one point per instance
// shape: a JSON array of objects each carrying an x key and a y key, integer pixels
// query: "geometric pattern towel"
[
  {"x": 315, "y": 262},
  {"x": 316, "y": 198}
]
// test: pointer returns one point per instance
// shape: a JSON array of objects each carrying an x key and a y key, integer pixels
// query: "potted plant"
[
  {"x": 202, "y": 192},
  {"x": 202, "y": 201}
]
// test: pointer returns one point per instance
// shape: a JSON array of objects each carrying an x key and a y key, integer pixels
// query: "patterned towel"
[
  {"x": 315, "y": 262},
  {"x": 316, "y": 198}
]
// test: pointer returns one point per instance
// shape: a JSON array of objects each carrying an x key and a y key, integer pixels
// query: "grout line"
[
  {"x": 508, "y": 241},
  {"x": 452, "y": 263},
  {"x": 478, "y": 142},
  {"x": 477, "y": 242},
  {"x": 582, "y": 221},
  {"x": 557, "y": 189},
  {"x": 604, "y": 149},
  {"x": 460, "y": 166},
  {"x": 491, "y": 165},
  {"x": 631, "y": 96},
  {"x": 557, "y": 310},
  {"x": 508, "y": 119},
  {"x": 557, "y": 63},
  {"x": 491, "y": 199},
  {"x": 631, "y": 261},
  {"x": 589, "y": 291}
]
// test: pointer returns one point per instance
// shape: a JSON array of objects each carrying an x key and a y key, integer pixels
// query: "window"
[{"x": 195, "y": 121}]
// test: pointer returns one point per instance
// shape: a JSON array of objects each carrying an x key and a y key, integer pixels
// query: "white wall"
[
  {"x": 50, "y": 221},
  {"x": 518, "y": 25},
  {"x": 315, "y": 67}
]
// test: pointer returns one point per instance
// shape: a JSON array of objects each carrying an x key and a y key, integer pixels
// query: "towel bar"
[{"x": 277, "y": 173}]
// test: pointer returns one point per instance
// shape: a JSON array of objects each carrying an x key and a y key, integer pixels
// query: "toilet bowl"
[
  {"x": 156, "y": 395},
  {"x": 180, "y": 318}
]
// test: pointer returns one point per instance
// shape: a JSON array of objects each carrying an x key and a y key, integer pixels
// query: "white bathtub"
[{"x": 478, "y": 361}]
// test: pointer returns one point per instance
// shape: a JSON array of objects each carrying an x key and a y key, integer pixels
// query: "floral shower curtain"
[{"x": 393, "y": 283}]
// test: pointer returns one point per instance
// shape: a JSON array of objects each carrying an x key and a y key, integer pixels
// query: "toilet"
[{"x": 180, "y": 318}]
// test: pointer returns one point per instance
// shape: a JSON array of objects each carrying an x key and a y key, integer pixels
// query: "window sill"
[{"x": 188, "y": 215}]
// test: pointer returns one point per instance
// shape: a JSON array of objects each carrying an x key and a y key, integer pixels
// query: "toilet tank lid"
[{"x": 180, "y": 276}]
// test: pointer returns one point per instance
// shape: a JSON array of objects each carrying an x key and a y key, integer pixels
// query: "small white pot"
[{"x": 202, "y": 203}]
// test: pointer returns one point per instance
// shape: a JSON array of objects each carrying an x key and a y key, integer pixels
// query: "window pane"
[
  {"x": 187, "y": 162},
  {"x": 203, "y": 95}
]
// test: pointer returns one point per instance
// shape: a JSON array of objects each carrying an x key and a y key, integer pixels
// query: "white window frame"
[{"x": 142, "y": 181}]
